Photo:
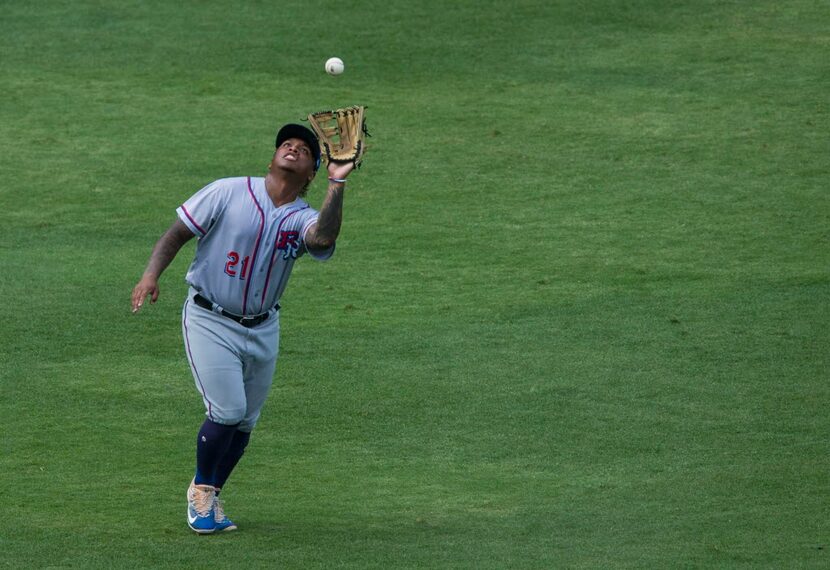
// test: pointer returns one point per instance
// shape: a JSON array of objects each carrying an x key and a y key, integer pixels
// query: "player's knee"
[
  {"x": 249, "y": 423},
  {"x": 230, "y": 417}
]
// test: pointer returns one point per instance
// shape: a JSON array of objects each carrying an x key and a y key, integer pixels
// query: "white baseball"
[{"x": 334, "y": 66}]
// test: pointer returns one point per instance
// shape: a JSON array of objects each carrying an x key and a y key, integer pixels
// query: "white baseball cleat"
[{"x": 200, "y": 508}]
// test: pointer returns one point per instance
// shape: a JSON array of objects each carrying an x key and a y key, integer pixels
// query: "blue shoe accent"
[
  {"x": 223, "y": 523},
  {"x": 200, "y": 508}
]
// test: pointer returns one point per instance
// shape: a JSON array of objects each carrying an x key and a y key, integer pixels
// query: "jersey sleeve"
[
  {"x": 321, "y": 255},
  {"x": 201, "y": 210}
]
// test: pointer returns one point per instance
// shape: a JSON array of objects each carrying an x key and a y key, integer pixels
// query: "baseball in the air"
[{"x": 334, "y": 66}]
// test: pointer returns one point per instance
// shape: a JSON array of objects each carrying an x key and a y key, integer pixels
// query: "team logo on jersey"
[{"x": 289, "y": 243}]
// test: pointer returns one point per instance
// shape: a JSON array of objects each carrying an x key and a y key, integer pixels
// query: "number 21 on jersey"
[{"x": 233, "y": 261}]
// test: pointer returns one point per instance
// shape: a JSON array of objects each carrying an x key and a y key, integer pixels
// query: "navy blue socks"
[
  {"x": 212, "y": 444},
  {"x": 218, "y": 449},
  {"x": 231, "y": 457}
]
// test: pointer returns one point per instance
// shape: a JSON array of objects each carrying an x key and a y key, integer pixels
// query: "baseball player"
[{"x": 250, "y": 232}]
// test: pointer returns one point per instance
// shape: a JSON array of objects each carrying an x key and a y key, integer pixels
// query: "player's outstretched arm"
[
  {"x": 323, "y": 234},
  {"x": 164, "y": 252}
]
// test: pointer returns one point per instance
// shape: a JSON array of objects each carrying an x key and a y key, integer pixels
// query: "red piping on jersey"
[
  {"x": 256, "y": 249},
  {"x": 274, "y": 254},
  {"x": 192, "y": 221}
]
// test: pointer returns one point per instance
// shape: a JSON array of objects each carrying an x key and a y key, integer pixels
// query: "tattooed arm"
[
  {"x": 165, "y": 250},
  {"x": 323, "y": 234}
]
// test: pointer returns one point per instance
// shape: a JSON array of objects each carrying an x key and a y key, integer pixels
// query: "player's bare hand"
[
  {"x": 146, "y": 287},
  {"x": 340, "y": 169}
]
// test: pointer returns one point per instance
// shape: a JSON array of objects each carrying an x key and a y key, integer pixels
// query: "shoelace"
[
  {"x": 203, "y": 501},
  {"x": 219, "y": 510}
]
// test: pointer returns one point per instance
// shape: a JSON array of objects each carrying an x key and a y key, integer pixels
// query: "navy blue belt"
[{"x": 247, "y": 322}]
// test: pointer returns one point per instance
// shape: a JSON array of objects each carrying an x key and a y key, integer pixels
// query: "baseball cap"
[{"x": 294, "y": 131}]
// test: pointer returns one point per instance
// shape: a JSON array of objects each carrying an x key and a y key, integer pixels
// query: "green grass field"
[{"x": 579, "y": 316}]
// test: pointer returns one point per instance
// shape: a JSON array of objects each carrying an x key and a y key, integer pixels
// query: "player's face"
[{"x": 294, "y": 155}]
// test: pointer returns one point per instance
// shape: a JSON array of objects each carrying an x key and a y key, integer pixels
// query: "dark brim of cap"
[{"x": 294, "y": 131}]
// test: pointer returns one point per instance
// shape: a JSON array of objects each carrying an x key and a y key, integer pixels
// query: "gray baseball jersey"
[
  {"x": 247, "y": 246},
  {"x": 244, "y": 256}
]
